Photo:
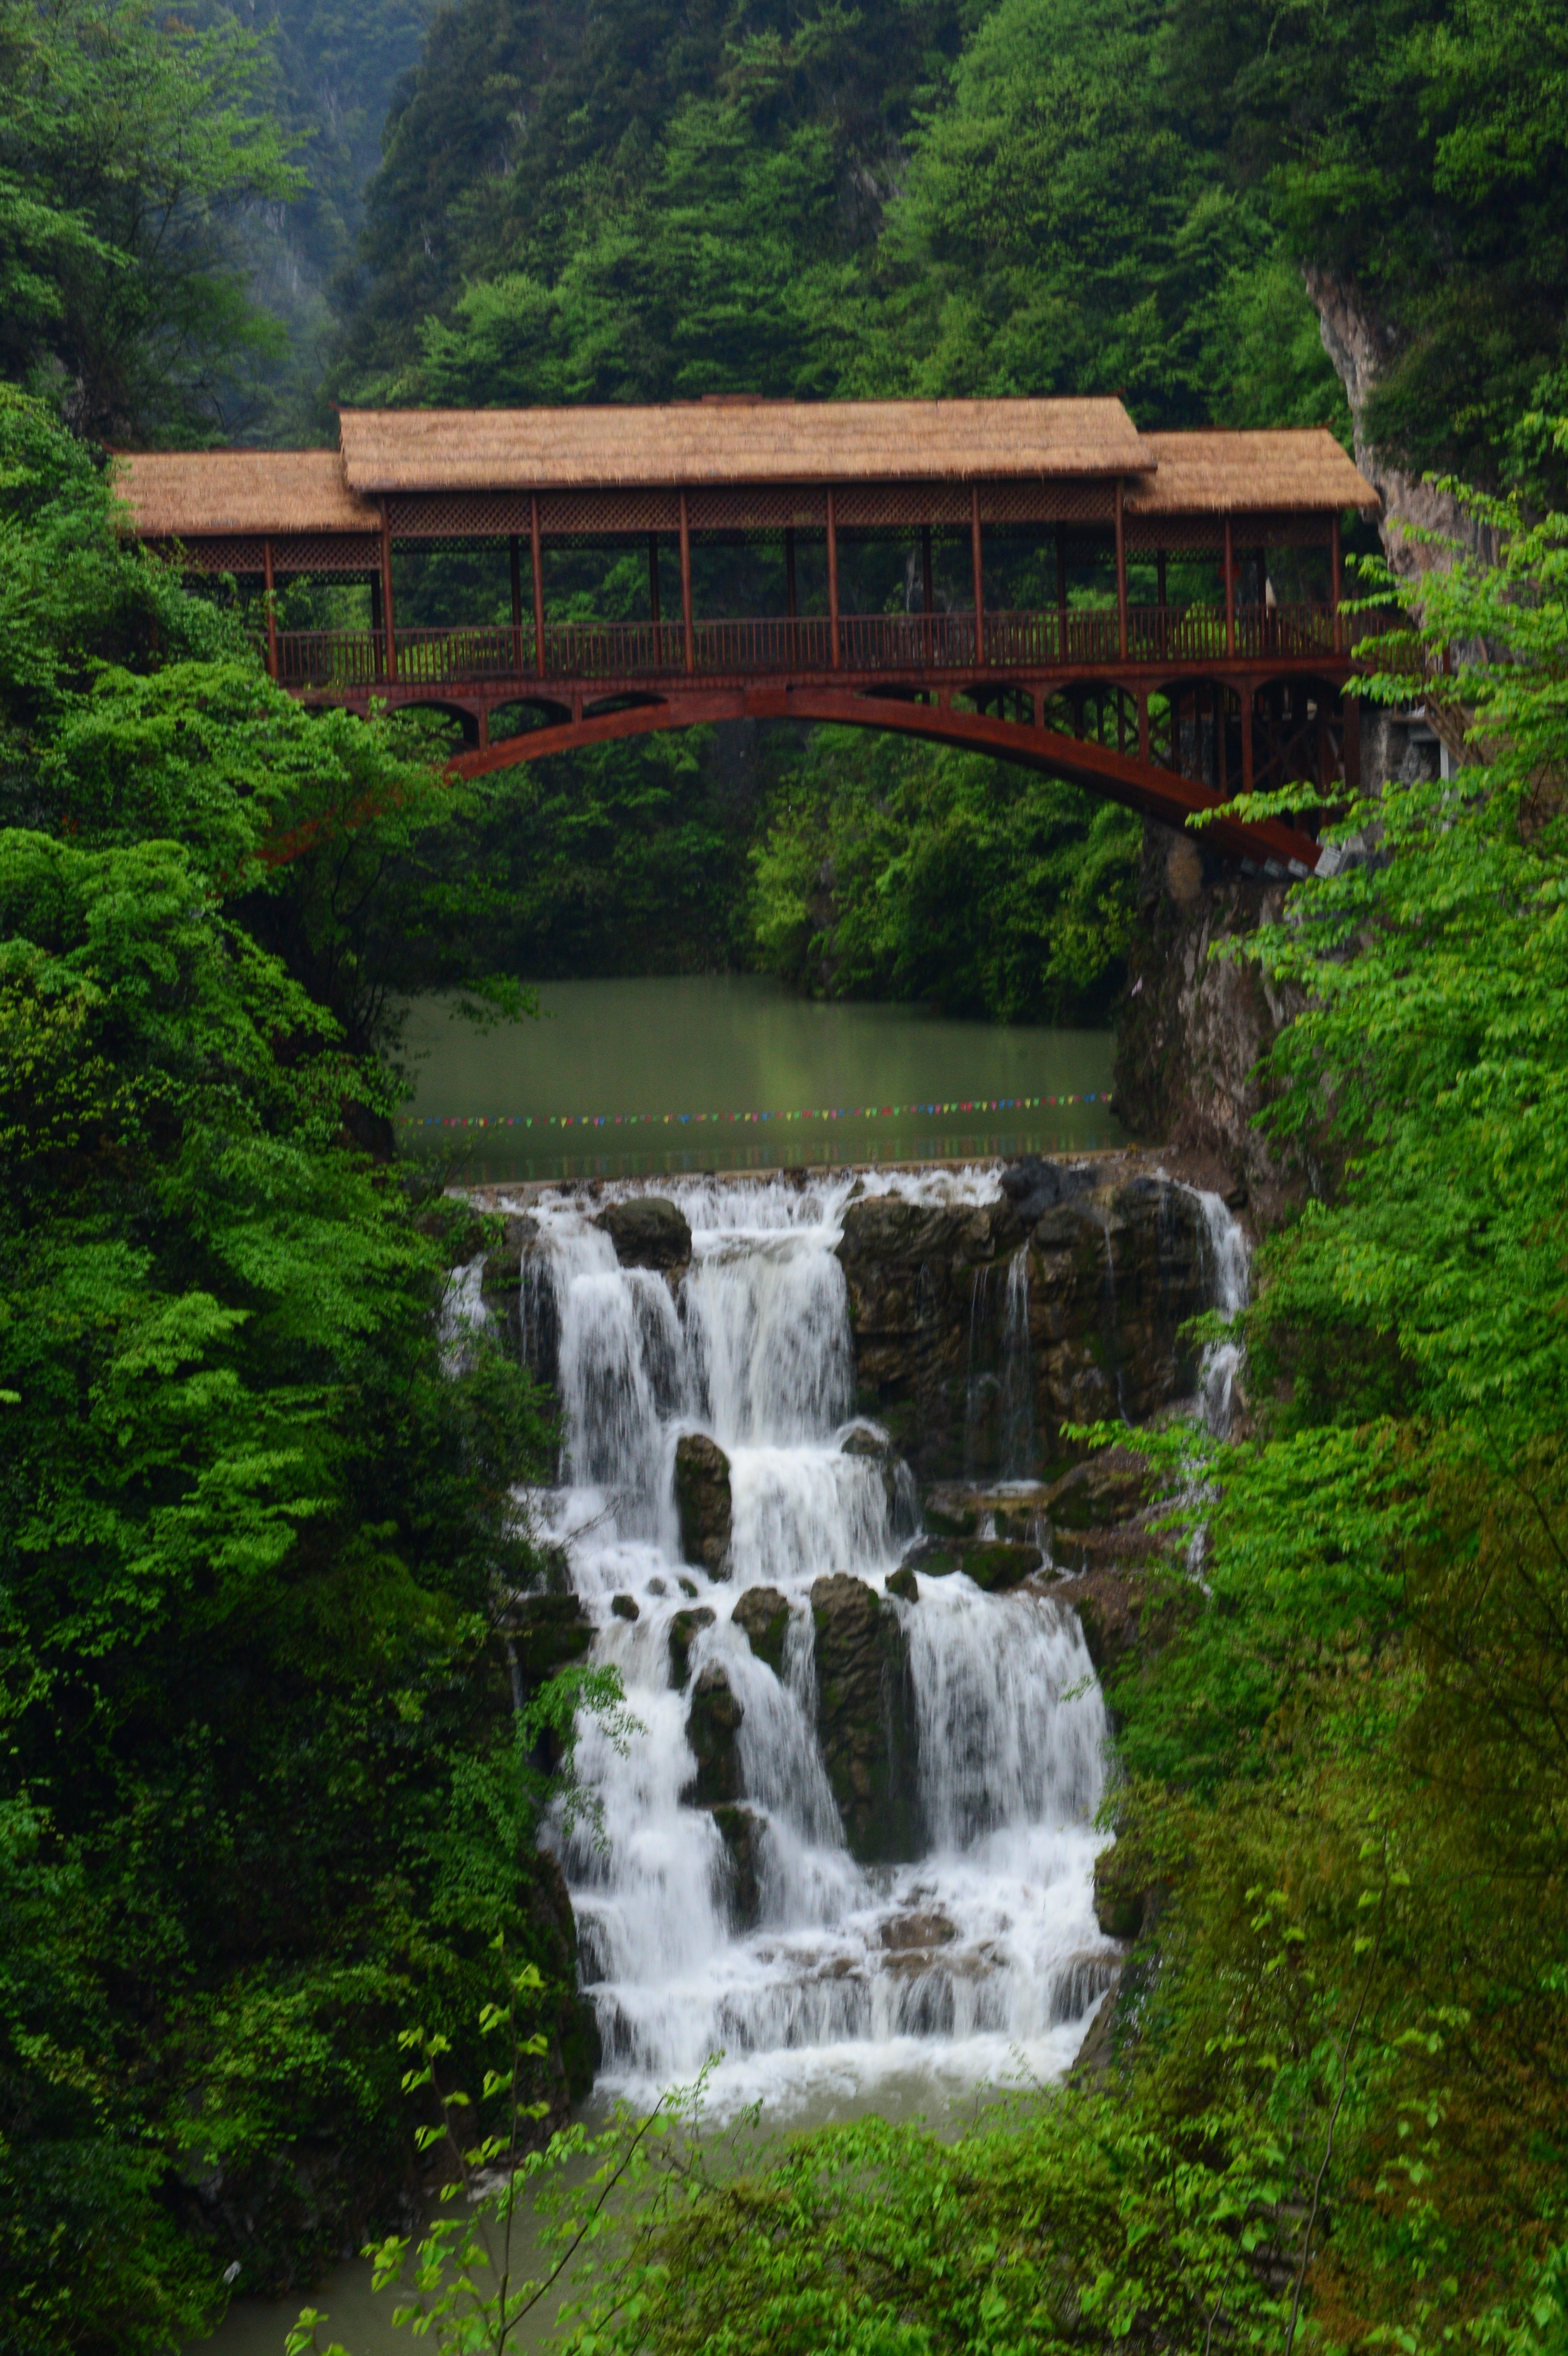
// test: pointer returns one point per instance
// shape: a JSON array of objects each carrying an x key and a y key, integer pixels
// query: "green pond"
[{"x": 729, "y": 1072}]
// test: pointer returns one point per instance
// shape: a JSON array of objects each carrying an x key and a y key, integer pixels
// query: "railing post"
[
  {"x": 536, "y": 552},
  {"x": 1229, "y": 589},
  {"x": 516, "y": 558},
  {"x": 1061, "y": 591},
  {"x": 832, "y": 577},
  {"x": 1335, "y": 588},
  {"x": 688, "y": 633},
  {"x": 1121, "y": 576},
  {"x": 975, "y": 558},
  {"x": 270, "y": 594},
  {"x": 388, "y": 624}
]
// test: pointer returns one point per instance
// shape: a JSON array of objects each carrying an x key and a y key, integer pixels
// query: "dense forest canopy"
[{"x": 267, "y": 1796}]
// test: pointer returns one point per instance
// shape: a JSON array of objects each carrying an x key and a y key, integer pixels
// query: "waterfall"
[
  {"x": 750, "y": 1930},
  {"x": 1230, "y": 1276}
]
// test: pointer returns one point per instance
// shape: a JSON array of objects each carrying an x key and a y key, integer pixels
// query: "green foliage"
[
  {"x": 1414, "y": 156},
  {"x": 265, "y": 1790},
  {"x": 891, "y": 869},
  {"x": 129, "y": 144}
]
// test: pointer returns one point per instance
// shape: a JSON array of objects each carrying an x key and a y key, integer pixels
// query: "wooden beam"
[
  {"x": 1061, "y": 595},
  {"x": 926, "y": 593},
  {"x": 1222, "y": 777},
  {"x": 1143, "y": 724},
  {"x": 270, "y": 594},
  {"x": 1229, "y": 588},
  {"x": 979, "y": 571},
  {"x": 536, "y": 552},
  {"x": 514, "y": 551},
  {"x": 1247, "y": 702},
  {"x": 1337, "y": 588},
  {"x": 791, "y": 595},
  {"x": 1121, "y": 575},
  {"x": 833, "y": 576},
  {"x": 688, "y": 632},
  {"x": 389, "y": 623}
]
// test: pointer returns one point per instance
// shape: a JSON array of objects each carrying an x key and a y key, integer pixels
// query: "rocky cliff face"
[
  {"x": 980, "y": 1330},
  {"x": 1192, "y": 1028}
]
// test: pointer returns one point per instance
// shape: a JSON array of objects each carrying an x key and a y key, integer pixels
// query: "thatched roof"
[
  {"x": 1296, "y": 467},
  {"x": 709, "y": 442},
  {"x": 190, "y": 494}
]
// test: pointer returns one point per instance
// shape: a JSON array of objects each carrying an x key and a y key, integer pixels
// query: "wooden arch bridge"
[{"x": 1153, "y": 617}]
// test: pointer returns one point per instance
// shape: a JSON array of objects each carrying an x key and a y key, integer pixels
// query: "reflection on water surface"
[{"x": 729, "y": 1072}]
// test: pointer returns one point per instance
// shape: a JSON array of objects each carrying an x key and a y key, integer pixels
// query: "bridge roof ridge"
[{"x": 702, "y": 443}]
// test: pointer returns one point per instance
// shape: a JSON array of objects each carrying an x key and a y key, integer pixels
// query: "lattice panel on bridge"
[
  {"x": 1146, "y": 534},
  {"x": 624, "y": 512},
  {"x": 353, "y": 553}
]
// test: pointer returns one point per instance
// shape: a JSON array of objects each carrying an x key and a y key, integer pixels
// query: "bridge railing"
[{"x": 346, "y": 662}]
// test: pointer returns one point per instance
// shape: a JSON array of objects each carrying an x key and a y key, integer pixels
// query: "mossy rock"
[
  {"x": 703, "y": 1503},
  {"x": 741, "y": 1832},
  {"x": 994, "y": 1564},
  {"x": 903, "y": 1582},
  {"x": 762, "y": 1616},
  {"x": 713, "y": 1723},
  {"x": 683, "y": 1631}
]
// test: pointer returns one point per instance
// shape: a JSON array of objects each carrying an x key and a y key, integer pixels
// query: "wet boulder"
[
  {"x": 713, "y": 1724},
  {"x": 741, "y": 1831},
  {"x": 994, "y": 1564},
  {"x": 703, "y": 1503},
  {"x": 867, "y": 1728},
  {"x": 683, "y": 1631},
  {"x": 874, "y": 1447},
  {"x": 762, "y": 1615},
  {"x": 902, "y": 1582},
  {"x": 980, "y": 1328},
  {"x": 626, "y": 1607},
  {"x": 648, "y": 1231}
]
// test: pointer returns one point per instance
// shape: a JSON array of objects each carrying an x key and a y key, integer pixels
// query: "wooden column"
[
  {"x": 1221, "y": 776},
  {"x": 1229, "y": 589},
  {"x": 1143, "y": 724},
  {"x": 1062, "y": 593},
  {"x": 1160, "y": 599},
  {"x": 688, "y": 636},
  {"x": 389, "y": 623},
  {"x": 978, "y": 564},
  {"x": 927, "y": 594},
  {"x": 270, "y": 593},
  {"x": 1246, "y": 740},
  {"x": 514, "y": 552},
  {"x": 1336, "y": 587},
  {"x": 1353, "y": 719},
  {"x": 375, "y": 602},
  {"x": 1121, "y": 575},
  {"x": 833, "y": 576},
  {"x": 536, "y": 552},
  {"x": 791, "y": 595}
]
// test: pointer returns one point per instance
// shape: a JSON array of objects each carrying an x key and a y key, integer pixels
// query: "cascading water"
[{"x": 981, "y": 1959}]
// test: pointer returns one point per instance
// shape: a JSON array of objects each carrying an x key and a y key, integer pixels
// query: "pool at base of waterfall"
[{"x": 842, "y": 1858}]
